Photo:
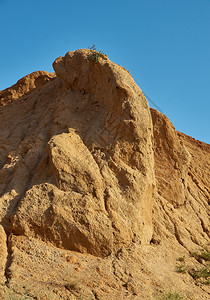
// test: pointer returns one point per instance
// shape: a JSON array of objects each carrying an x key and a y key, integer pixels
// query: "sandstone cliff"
[{"x": 99, "y": 195}]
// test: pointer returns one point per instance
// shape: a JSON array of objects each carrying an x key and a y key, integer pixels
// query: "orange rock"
[
  {"x": 3, "y": 254},
  {"x": 98, "y": 193},
  {"x": 91, "y": 182}
]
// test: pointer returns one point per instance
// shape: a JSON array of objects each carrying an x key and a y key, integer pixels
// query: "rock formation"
[
  {"x": 97, "y": 187},
  {"x": 182, "y": 169}
]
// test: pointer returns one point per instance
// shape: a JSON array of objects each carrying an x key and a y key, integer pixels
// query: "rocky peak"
[{"x": 92, "y": 179}]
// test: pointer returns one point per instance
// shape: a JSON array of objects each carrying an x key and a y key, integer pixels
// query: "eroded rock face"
[
  {"x": 172, "y": 154},
  {"x": 78, "y": 167},
  {"x": 181, "y": 205},
  {"x": 24, "y": 86},
  {"x": 78, "y": 177}
]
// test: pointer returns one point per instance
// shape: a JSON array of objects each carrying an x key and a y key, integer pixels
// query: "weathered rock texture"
[
  {"x": 3, "y": 254},
  {"x": 24, "y": 86},
  {"x": 182, "y": 170},
  {"x": 98, "y": 195},
  {"x": 78, "y": 170}
]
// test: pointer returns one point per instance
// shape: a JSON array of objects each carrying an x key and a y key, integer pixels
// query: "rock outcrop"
[
  {"x": 79, "y": 170},
  {"x": 24, "y": 86},
  {"x": 181, "y": 168},
  {"x": 99, "y": 195}
]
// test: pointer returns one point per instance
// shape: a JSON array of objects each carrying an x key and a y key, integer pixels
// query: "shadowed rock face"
[
  {"x": 172, "y": 154},
  {"x": 182, "y": 164},
  {"x": 77, "y": 165}
]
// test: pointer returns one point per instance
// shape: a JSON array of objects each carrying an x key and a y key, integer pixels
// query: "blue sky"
[{"x": 165, "y": 44}]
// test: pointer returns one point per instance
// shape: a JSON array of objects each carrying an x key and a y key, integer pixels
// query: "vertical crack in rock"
[
  {"x": 9, "y": 260},
  {"x": 4, "y": 256}
]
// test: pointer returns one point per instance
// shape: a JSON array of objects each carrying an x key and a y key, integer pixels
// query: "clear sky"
[{"x": 165, "y": 44}]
